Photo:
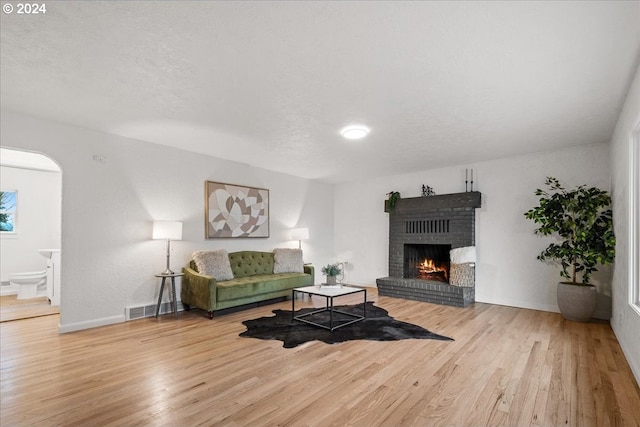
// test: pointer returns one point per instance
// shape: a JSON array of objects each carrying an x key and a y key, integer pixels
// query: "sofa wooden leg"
[{"x": 210, "y": 314}]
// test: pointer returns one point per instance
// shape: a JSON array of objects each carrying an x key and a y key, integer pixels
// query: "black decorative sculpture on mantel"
[{"x": 427, "y": 191}]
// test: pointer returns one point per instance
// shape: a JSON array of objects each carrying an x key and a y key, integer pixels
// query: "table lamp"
[
  {"x": 300, "y": 234},
  {"x": 167, "y": 230}
]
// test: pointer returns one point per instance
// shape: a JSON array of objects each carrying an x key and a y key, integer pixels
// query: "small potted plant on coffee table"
[{"x": 332, "y": 271}]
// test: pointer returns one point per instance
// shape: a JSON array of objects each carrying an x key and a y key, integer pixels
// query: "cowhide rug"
[{"x": 377, "y": 326}]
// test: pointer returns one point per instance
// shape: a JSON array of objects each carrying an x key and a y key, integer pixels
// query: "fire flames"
[{"x": 430, "y": 270}]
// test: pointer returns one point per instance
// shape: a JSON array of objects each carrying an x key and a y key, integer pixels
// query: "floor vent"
[{"x": 138, "y": 312}]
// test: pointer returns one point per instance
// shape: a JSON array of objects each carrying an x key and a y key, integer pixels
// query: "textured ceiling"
[{"x": 271, "y": 83}]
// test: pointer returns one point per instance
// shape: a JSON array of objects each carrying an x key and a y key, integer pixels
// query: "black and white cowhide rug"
[{"x": 377, "y": 326}]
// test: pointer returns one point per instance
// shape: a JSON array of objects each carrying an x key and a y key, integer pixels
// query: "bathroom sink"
[{"x": 47, "y": 252}]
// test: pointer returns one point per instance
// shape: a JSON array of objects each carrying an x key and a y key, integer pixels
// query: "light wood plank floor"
[
  {"x": 506, "y": 367},
  {"x": 12, "y": 308}
]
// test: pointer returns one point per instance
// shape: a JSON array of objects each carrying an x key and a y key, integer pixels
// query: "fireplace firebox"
[{"x": 427, "y": 262}]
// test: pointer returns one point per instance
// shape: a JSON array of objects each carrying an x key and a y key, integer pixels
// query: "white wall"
[
  {"x": 108, "y": 257},
  {"x": 109, "y": 260},
  {"x": 507, "y": 271},
  {"x": 38, "y": 219},
  {"x": 625, "y": 321}
]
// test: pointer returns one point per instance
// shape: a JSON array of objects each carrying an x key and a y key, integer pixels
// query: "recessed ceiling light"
[{"x": 355, "y": 132}]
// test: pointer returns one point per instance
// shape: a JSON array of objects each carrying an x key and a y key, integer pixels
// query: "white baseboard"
[
  {"x": 147, "y": 310},
  {"x": 603, "y": 311},
  {"x": 78, "y": 326},
  {"x": 8, "y": 289},
  {"x": 632, "y": 360},
  {"x": 521, "y": 304}
]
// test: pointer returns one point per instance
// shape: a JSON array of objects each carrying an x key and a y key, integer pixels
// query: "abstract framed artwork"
[{"x": 235, "y": 211}]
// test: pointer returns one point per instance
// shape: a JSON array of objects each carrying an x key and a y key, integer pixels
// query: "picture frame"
[{"x": 235, "y": 211}]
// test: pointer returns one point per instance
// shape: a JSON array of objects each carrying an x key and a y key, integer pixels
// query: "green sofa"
[{"x": 253, "y": 281}]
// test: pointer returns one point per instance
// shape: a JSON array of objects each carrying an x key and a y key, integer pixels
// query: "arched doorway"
[{"x": 30, "y": 239}]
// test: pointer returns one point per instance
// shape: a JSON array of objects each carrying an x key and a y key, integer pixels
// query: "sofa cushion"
[
  {"x": 213, "y": 263},
  {"x": 251, "y": 263},
  {"x": 287, "y": 261},
  {"x": 263, "y": 284}
]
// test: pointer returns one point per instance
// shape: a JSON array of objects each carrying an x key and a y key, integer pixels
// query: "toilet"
[
  {"x": 30, "y": 284},
  {"x": 40, "y": 283}
]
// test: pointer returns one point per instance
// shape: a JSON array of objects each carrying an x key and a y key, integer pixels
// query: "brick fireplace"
[{"x": 422, "y": 230}]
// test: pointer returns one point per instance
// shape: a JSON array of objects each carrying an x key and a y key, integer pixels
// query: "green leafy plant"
[
  {"x": 392, "y": 198},
  {"x": 4, "y": 198},
  {"x": 332, "y": 270},
  {"x": 7, "y": 204},
  {"x": 582, "y": 218}
]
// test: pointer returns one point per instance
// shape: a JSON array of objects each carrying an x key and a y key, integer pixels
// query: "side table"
[{"x": 173, "y": 291}]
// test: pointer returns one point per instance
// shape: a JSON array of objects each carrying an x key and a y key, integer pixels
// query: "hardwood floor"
[
  {"x": 12, "y": 308},
  {"x": 506, "y": 367}
]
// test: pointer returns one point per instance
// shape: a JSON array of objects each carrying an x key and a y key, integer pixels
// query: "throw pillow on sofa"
[
  {"x": 213, "y": 263},
  {"x": 287, "y": 261}
]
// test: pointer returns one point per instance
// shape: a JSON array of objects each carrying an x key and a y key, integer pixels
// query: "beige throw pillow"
[
  {"x": 213, "y": 263},
  {"x": 287, "y": 261}
]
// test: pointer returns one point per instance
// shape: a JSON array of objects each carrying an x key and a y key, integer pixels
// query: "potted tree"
[
  {"x": 582, "y": 219},
  {"x": 332, "y": 271}
]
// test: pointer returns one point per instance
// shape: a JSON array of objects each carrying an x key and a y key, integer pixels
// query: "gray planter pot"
[{"x": 577, "y": 302}]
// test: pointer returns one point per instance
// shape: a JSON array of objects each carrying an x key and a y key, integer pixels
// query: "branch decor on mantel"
[
  {"x": 392, "y": 198},
  {"x": 427, "y": 191}
]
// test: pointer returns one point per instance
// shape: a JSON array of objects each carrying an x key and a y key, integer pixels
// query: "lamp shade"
[
  {"x": 168, "y": 230},
  {"x": 300, "y": 234},
  {"x": 345, "y": 256}
]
